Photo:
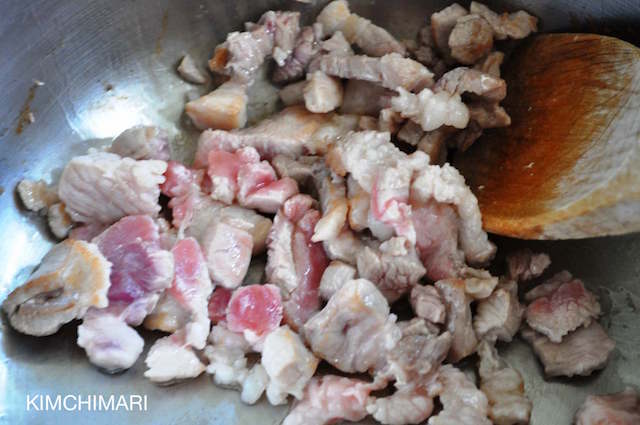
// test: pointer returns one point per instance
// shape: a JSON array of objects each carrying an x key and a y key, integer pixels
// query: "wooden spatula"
[{"x": 569, "y": 164}]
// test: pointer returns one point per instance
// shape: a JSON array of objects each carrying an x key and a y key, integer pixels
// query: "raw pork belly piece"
[
  {"x": 72, "y": 277},
  {"x": 354, "y": 330},
  {"x": 295, "y": 263},
  {"x": 103, "y": 187}
]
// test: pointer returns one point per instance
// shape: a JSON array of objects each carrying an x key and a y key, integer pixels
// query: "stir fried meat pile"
[{"x": 347, "y": 197}]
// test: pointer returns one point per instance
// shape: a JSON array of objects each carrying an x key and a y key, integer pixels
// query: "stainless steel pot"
[{"x": 107, "y": 65}]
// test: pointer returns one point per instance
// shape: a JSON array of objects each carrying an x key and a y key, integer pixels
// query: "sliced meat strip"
[
  {"x": 565, "y": 309},
  {"x": 142, "y": 142},
  {"x": 372, "y": 39},
  {"x": 622, "y": 408},
  {"x": 458, "y": 318},
  {"x": 331, "y": 398},
  {"x": 390, "y": 71},
  {"x": 471, "y": 39},
  {"x": 288, "y": 133},
  {"x": 513, "y": 25},
  {"x": 580, "y": 353},
  {"x": 72, "y": 277},
  {"x": 224, "y": 108},
  {"x": 103, "y": 187},
  {"x": 504, "y": 388},
  {"x": 288, "y": 363},
  {"x": 296, "y": 263},
  {"x": 354, "y": 330}
]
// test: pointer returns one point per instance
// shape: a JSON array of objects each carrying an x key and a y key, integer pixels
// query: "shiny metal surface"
[{"x": 109, "y": 64}]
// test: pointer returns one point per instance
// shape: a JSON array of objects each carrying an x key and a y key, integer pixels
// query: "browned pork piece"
[
  {"x": 365, "y": 98},
  {"x": 293, "y": 132},
  {"x": 322, "y": 93},
  {"x": 354, "y": 330},
  {"x": 471, "y": 39},
  {"x": 466, "y": 80},
  {"x": 243, "y": 53},
  {"x": 59, "y": 220},
  {"x": 224, "y": 108},
  {"x": 622, "y": 408},
  {"x": 562, "y": 310},
  {"x": 332, "y": 194},
  {"x": 372, "y": 39},
  {"x": 103, "y": 187},
  {"x": 513, "y": 25},
  {"x": 190, "y": 72},
  {"x": 71, "y": 278},
  {"x": 524, "y": 265},
  {"x": 504, "y": 388},
  {"x": 442, "y": 23},
  {"x": 390, "y": 71},
  {"x": 491, "y": 64},
  {"x": 580, "y": 353},
  {"x": 462, "y": 401},
  {"x": 306, "y": 47},
  {"x": 36, "y": 195},
  {"x": 458, "y": 318},
  {"x": 142, "y": 142}
]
